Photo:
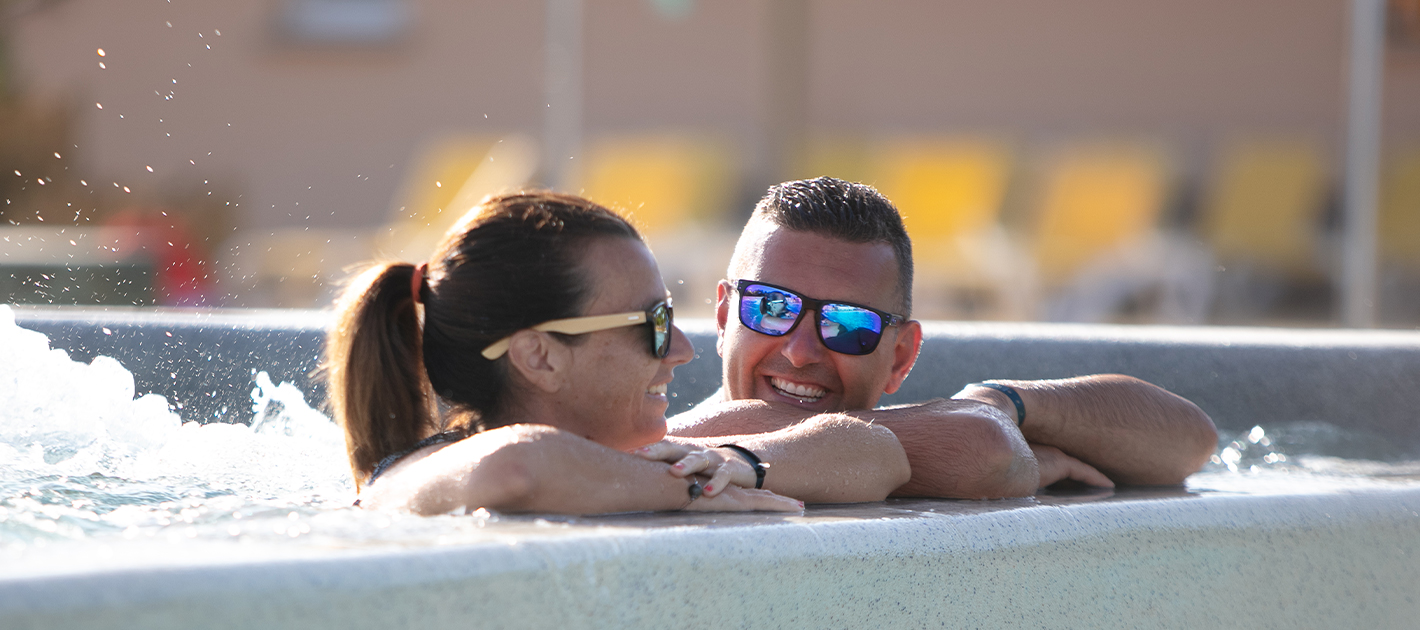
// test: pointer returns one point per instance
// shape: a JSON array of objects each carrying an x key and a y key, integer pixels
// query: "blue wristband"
[{"x": 1010, "y": 392}]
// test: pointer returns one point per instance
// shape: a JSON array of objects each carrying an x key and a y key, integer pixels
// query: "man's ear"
[
  {"x": 539, "y": 359},
  {"x": 904, "y": 354},
  {"x": 722, "y": 314}
]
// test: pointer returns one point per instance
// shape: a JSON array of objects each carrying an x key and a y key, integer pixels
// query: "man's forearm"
[
  {"x": 1130, "y": 430},
  {"x": 960, "y": 450},
  {"x": 825, "y": 458},
  {"x": 955, "y": 449}
]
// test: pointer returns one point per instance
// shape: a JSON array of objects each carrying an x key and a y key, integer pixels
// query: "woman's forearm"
[{"x": 537, "y": 468}]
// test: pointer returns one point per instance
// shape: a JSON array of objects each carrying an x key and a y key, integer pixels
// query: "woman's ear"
[{"x": 540, "y": 359}]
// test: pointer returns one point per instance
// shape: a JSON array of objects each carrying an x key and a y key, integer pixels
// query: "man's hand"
[{"x": 1056, "y": 466}]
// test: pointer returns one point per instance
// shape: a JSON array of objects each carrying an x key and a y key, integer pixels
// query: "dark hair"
[
  {"x": 510, "y": 264},
  {"x": 847, "y": 211}
]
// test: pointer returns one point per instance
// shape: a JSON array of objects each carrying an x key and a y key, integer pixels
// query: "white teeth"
[
  {"x": 657, "y": 390},
  {"x": 803, "y": 392}
]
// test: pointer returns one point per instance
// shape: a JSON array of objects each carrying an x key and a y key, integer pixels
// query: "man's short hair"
[{"x": 847, "y": 211}]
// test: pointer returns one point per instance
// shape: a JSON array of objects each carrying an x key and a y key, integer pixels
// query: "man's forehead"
[{"x": 817, "y": 265}]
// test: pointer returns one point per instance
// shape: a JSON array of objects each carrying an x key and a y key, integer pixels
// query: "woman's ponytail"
[
  {"x": 379, "y": 392},
  {"x": 511, "y": 263}
]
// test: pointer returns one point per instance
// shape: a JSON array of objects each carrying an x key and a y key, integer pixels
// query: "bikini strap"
[{"x": 437, "y": 438}]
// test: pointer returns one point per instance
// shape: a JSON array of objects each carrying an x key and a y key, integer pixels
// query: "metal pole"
[
  {"x": 1363, "y": 138},
  {"x": 788, "y": 88},
  {"x": 562, "y": 116}
]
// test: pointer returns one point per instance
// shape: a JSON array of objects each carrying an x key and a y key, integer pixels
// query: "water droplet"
[
  {"x": 150, "y": 169},
  {"x": 438, "y": 184},
  {"x": 101, "y": 105},
  {"x": 101, "y": 52}
]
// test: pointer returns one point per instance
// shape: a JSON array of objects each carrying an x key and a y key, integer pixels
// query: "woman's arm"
[{"x": 536, "y": 468}]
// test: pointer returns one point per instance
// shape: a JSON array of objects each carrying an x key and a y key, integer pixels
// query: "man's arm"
[
  {"x": 1131, "y": 430},
  {"x": 955, "y": 448},
  {"x": 826, "y": 458}
]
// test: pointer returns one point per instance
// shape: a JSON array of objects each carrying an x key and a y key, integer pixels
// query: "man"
[{"x": 836, "y": 254}]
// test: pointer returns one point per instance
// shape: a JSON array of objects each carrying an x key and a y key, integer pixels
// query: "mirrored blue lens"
[
  {"x": 768, "y": 310},
  {"x": 849, "y": 329}
]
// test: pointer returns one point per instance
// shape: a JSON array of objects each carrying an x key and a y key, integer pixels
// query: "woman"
[{"x": 544, "y": 352}]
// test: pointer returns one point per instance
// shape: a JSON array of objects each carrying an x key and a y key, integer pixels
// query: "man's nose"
[{"x": 802, "y": 346}]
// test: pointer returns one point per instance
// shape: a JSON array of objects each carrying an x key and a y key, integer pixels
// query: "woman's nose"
[{"x": 682, "y": 351}]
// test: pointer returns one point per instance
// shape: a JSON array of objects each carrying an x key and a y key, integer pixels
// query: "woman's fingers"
[
  {"x": 662, "y": 451},
  {"x": 721, "y": 479},
  {"x": 737, "y": 499},
  {"x": 723, "y": 470},
  {"x": 691, "y": 462}
]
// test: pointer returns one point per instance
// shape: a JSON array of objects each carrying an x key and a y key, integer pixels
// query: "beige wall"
[{"x": 328, "y": 133}]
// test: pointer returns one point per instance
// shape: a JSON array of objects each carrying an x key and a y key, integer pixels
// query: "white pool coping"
[
  {"x": 1340, "y": 558},
  {"x": 1322, "y": 553}
]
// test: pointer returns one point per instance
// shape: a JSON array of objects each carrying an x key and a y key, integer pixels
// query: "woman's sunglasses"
[
  {"x": 842, "y": 326},
  {"x": 661, "y": 316}
]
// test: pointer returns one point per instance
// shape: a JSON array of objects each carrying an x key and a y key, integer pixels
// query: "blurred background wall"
[{"x": 1098, "y": 160}]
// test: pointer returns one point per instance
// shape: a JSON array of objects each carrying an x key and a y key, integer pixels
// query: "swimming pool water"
[{"x": 91, "y": 477}]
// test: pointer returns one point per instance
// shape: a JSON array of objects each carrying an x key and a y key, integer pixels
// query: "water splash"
[{"x": 82, "y": 457}]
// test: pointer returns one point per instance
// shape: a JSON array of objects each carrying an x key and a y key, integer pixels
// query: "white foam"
[{"x": 63, "y": 417}]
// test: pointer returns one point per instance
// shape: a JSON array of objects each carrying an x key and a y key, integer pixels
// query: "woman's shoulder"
[
  {"x": 457, "y": 451},
  {"x": 491, "y": 467}
]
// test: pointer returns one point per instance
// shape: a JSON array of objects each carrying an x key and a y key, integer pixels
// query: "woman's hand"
[
  {"x": 723, "y": 466},
  {"x": 736, "y": 499}
]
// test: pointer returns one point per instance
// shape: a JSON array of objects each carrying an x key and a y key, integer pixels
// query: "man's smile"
[{"x": 799, "y": 391}]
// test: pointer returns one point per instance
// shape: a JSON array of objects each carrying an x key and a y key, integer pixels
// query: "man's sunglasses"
[
  {"x": 660, "y": 317},
  {"x": 842, "y": 326}
]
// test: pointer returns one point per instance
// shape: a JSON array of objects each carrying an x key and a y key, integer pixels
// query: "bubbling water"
[
  {"x": 89, "y": 471},
  {"x": 81, "y": 457}
]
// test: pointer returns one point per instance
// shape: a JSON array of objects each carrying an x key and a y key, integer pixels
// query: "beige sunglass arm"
[{"x": 571, "y": 326}]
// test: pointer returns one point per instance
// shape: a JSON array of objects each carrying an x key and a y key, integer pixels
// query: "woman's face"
[{"x": 615, "y": 393}]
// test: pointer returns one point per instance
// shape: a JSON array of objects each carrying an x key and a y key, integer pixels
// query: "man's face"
[{"x": 796, "y": 368}]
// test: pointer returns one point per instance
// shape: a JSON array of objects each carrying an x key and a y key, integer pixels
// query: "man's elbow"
[
  {"x": 981, "y": 459},
  {"x": 1005, "y": 467},
  {"x": 1202, "y": 442},
  {"x": 892, "y": 467},
  {"x": 879, "y": 465}
]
